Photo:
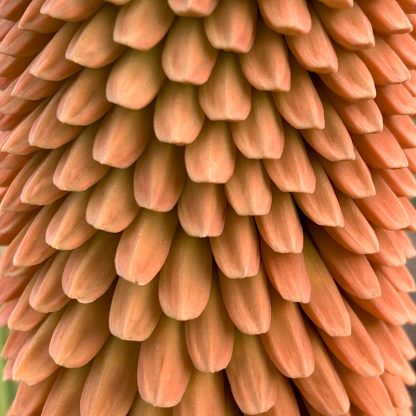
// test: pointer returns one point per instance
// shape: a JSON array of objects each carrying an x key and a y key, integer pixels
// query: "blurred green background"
[{"x": 7, "y": 388}]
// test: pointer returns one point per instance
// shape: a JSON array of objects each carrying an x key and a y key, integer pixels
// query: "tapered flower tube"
[{"x": 204, "y": 206}]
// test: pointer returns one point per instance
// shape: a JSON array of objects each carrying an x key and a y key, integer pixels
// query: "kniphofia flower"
[{"x": 205, "y": 206}]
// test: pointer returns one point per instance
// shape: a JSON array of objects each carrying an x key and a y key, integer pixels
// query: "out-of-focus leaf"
[{"x": 7, "y": 388}]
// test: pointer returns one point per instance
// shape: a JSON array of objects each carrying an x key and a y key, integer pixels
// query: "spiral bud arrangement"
[{"x": 205, "y": 206}]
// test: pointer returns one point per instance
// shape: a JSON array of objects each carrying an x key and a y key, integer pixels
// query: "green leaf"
[{"x": 7, "y": 388}]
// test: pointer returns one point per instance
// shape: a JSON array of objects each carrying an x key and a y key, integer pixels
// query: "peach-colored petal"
[
  {"x": 402, "y": 341},
  {"x": 390, "y": 253},
  {"x": 380, "y": 150},
  {"x": 386, "y": 16},
  {"x": 39, "y": 188},
  {"x": 141, "y": 24},
  {"x": 403, "y": 129},
  {"x": 384, "y": 64},
  {"x": 66, "y": 392},
  {"x": 232, "y": 25},
  {"x": 384, "y": 208},
  {"x": 31, "y": 399},
  {"x": 356, "y": 235},
  {"x": 211, "y": 157},
  {"x": 210, "y": 337},
  {"x": 204, "y": 396},
  {"x": 17, "y": 141},
  {"x": 352, "y": 81},
  {"x": 287, "y": 342},
  {"x": 12, "y": 287},
  {"x": 112, "y": 375},
  {"x": 378, "y": 330},
  {"x": 407, "y": 303},
  {"x": 90, "y": 269},
  {"x": 12, "y": 10},
  {"x": 202, "y": 208},
  {"x": 11, "y": 66},
  {"x": 135, "y": 78},
  {"x": 322, "y": 206},
  {"x": 134, "y": 311},
  {"x": 334, "y": 141},
  {"x": 351, "y": 271},
  {"x": 367, "y": 393},
  {"x": 314, "y": 50},
  {"x": 410, "y": 211},
  {"x": 261, "y": 135},
  {"x": 122, "y": 137},
  {"x": 47, "y": 131},
  {"x": 21, "y": 316},
  {"x": 397, "y": 391},
  {"x": 333, "y": 400},
  {"x": 185, "y": 278},
  {"x": 287, "y": 16},
  {"x": 252, "y": 381},
  {"x": 338, "y": 4},
  {"x": 405, "y": 46},
  {"x": 22, "y": 43},
  {"x": 326, "y": 307},
  {"x": 227, "y": 94},
  {"x": 11, "y": 199},
  {"x": 31, "y": 88},
  {"x": 352, "y": 177},
  {"x": 33, "y": 363},
  {"x": 359, "y": 117},
  {"x": 51, "y": 64},
  {"x": 287, "y": 273},
  {"x": 178, "y": 117},
  {"x": 80, "y": 333},
  {"x": 293, "y": 171},
  {"x": 7, "y": 267},
  {"x": 144, "y": 246},
  {"x": 159, "y": 176},
  {"x": 6, "y": 310},
  {"x": 77, "y": 170},
  {"x": 409, "y": 6},
  {"x": 92, "y": 45},
  {"x": 193, "y": 7},
  {"x": 47, "y": 294},
  {"x": 10, "y": 121},
  {"x": 187, "y": 55},
  {"x": 301, "y": 106},
  {"x": 400, "y": 181},
  {"x": 359, "y": 352},
  {"x": 5, "y": 26},
  {"x": 33, "y": 20},
  {"x": 78, "y": 10},
  {"x": 266, "y": 65},
  {"x": 141, "y": 408},
  {"x": 405, "y": 244},
  {"x": 247, "y": 302},
  {"x": 84, "y": 102},
  {"x": 11, "y": 223},
  {"x": 68, "y": 228},
  {"x": 15, "y": 342},
  {"x": 248, "y": 191},
  {"x": 281, "y": 228},
  {"x": 388, "y": 307},
  {"x": 164, "y": 366},
  {"x": 236, "y": 251},
  {"x": 111, "y": 206},
  {"x": 395, "y": 99},
  {"x": 33, "y": 248},
  {"x": 400, "y": 277}
]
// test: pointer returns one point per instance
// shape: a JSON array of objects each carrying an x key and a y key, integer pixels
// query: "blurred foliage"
[{"x": 7, "y": 388}]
